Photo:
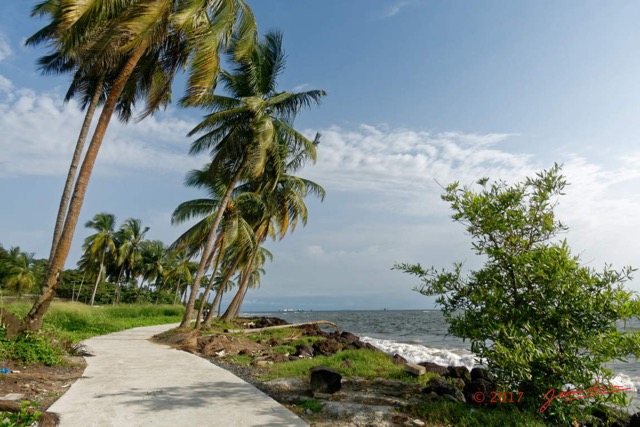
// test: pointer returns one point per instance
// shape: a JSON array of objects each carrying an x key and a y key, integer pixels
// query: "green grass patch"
[
  {"x": 441, "y": 412},
  {"x": 312, "y": 404},
  {"x": 239, "y": 359},
  {"x": 278, "y": 334},
  {"x": 361, "y": 363},
  {"x": 67, "y": 323}
]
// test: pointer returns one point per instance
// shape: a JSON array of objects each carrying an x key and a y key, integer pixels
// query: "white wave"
[
  {"x": 623, "y": 380},
  {"x": 416, "y": 353}
]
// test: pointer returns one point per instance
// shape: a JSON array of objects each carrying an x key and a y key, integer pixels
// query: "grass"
[
  {"x": 441, "y": 412},
  {"x": 67, "y": 323},
  {"x": 360, "y": 363},
  {"x": 311, "y": 404}
]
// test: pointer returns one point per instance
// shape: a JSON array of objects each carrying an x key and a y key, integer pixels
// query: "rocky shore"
[{"x": 325, "y": 396}]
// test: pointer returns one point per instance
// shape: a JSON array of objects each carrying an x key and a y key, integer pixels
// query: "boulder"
[
  {"x": 481, "y": 374},
  {"x": 279, "y": 358},
  {"x": 634, "y": 421},
  {"x": 434, "y": 368},
  {"x": 444, "y": 388},
  {"x": 325, "y": 380},
  {"x": 348, "y": 338},
  {"x": 458, "y": 372},
  {"x": 398, "y": 360},
  {"x": 326, "y": 347},
  {"x": 303, "y": 350},
  {"x": 479, "y": 391}
]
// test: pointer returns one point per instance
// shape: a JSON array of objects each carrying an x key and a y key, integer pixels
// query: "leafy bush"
[
  {"x": 22, "y": 418},
  {"x": 29, "y": 348},
  {"x": 537, "y": 318}
]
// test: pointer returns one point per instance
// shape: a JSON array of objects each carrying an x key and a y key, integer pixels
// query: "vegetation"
[
  {"x": 533, "y": 314},
  {"x": 445, "y": 413},
  {"x": 128, "y": 51},
  {"x": 22, "y": 418},
  {"x": 254, "y": 148},
  {"x": 68, "y": 323}
]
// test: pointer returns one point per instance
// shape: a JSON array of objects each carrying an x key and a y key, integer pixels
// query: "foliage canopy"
[{"x": 534, "y": 315}]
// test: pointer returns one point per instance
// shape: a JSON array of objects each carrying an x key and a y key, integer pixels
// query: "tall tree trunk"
[
  {"x": 33, "y": 319},
  {"x": 203, "y": 302},
  {"x": 116, "y": 297},
  {"x": 218, "y": 299},
  {"x": 75, "y": 161},
  {"x": 188, "y": 313},
  {"x": 80, "y": 288},
  {"x": 237, "y": 299},
  {"x": 175, "y": 297},
  {"x": 95, "y": 288}
]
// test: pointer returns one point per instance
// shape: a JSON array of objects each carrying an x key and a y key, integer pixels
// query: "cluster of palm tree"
[
  {"x": 252, "y": 192},
  {"x": 119, "y": 53},
  {"x": 125, "y": 52},
  {"x": 125, "y": 258},
  {"x": 17, "y": 270}
]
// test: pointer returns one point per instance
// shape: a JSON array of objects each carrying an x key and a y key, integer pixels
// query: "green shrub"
[
  {"x": 29, "y": 348},
  {"x": 22, "y": 418},
  {"x": 533, "y": 314}
]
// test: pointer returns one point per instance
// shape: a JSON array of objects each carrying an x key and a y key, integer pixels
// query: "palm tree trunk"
[
  {"x": 75, "y": 161},
  {"x": 237, "y": 299},
  {"x": 80, "y": 288},
  {"x": 95, "y": 288},
  {"x": 186, "y": 320},
  {"x": 175, "y": 297},
  {"x": 33, "y": 320},
  {"x": 218, "y": 299},
  {"x": 203, "y": 302},
  {"x": 116, "y": 297}
]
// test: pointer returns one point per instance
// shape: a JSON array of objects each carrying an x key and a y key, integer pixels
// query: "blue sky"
[{"x": 418, "y": 92}]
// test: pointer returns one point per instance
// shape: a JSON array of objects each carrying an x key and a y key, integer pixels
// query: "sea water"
[{"x": 421, "y": 336}]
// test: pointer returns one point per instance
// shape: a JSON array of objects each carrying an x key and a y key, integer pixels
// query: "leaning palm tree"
[
  {"x": 243, "y": 130},
  {"x": 169, "y": 35},
  {"x": 98, "y": 245}
]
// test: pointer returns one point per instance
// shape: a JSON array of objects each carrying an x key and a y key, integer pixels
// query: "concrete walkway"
[{"x": 133, "y": 382}]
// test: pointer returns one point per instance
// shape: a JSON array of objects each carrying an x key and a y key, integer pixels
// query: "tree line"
[{"x": 122, "y": 58}]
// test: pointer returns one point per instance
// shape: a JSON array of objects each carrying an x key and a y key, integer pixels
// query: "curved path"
[{"x": 133, "y": 382}]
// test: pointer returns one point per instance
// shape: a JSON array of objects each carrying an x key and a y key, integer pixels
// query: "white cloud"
[
  {"x": 395, "y": 8},
  {"x": 5, "y": 48},
  {"x": 39, "y": 133}
]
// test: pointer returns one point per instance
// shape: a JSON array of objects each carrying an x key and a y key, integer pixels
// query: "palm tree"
[
  {"x": 163, "y": 35},
  {"x": 153, "y": 262},
  {"x": 129, "y": 238},
  {"x": 98, "y": 245},
  {"x": 243, "y": 130},
  {"x": 18, "y": 268}
]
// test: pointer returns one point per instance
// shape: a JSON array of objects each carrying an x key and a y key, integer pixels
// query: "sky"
[{"x": 420, "y": 94}]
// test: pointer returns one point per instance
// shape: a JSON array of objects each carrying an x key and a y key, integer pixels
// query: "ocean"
[{"x": 421, "y": 336}]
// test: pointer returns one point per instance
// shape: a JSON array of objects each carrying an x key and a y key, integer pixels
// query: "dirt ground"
[{"x": 38, "y": 383}]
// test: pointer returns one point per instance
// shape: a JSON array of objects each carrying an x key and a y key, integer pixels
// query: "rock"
[
  {"x": 265, "y": 322},
  {"x": 279, "y": 358},
  {"x": 414, "y": 369},
  {"x": 304, "y": 350},
  {"x": 481, "y": 374},
  {"x": 398, "y": 360},
  {"x": 260, "y": 363},
  {"x": 326, "y": 347},
  {"x": 12, "y": 397},
  {"x": 458, "y": 372},
  {"x": 458, "y": 382},
  {"x": 245, "y": 351},
  {"x": 634, "y": 421},
  {"x": 434, "y": 368},
  {"x": 479, "y": 391},
  {"x": 287, "y": 384},
  {"x": 273, "y": 342},
  {"x": 354, "y": 414},
  {"x": 324, "y": 380},
  {"x": 348, "y": 338},
  {"x": 444, "y": 388}
]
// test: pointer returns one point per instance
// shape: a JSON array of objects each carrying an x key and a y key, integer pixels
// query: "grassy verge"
[{"x": 67, "y": 323}]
